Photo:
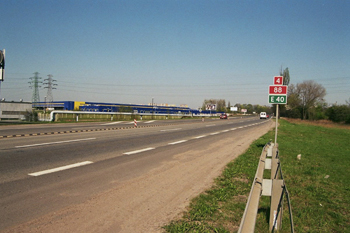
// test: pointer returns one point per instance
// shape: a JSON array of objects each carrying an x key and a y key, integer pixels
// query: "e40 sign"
[{"x": 277, "y": 99}]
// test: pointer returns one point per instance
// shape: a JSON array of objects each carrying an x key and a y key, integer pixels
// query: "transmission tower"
[
  {"x": 50, "y": 86},
  {"x": 34, "y": 84}
]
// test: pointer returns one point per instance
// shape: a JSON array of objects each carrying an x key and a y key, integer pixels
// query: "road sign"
[
  {"x": 277, "y": 99},
  {"x": 278, "y": 80},
  {"x": 278, "y": 90}
]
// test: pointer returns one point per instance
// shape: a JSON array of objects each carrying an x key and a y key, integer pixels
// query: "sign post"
[{"x": 277, "y": 95}]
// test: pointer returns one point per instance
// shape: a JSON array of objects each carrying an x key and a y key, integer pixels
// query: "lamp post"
[{"x": 152, "y": 108}]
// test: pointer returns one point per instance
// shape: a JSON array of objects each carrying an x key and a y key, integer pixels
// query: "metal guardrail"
[{"x": 273, "y": 187}]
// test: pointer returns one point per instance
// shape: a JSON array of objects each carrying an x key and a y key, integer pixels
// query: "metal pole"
[
  {"x": 152, "y": 108},
  {"x": 276, "y": 124}
]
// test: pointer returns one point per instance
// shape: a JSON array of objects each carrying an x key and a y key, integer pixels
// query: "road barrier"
[{"x": 273, "y": 187}]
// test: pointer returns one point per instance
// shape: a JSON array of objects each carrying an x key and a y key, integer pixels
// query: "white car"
[{"x": 263, "y": 115}]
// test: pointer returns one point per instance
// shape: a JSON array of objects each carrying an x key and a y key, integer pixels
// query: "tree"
[
  {"x": 286, "y": 77},
  {"x": 348, "y": 102},
  {"x": 306, "y": 96}
]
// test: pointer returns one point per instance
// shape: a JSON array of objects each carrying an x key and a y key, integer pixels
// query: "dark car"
[{"x": 223, "y": 116}]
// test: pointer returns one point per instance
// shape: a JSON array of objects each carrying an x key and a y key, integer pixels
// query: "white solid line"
[
  {"x": 164, "y": 130},
  {"x": 202, "y": 136},
  {"x": 138, "y": 151},
  {"x": 173, "y": 143},
  {"x": 233, "y": 128},
  {"x": 226, "y": 130},
  {"x": 60, "y": 168},
  {"x": 50, "y": 143},
  {"x": 215, "y": 133}
]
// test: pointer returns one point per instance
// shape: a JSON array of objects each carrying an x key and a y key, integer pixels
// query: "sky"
[{"x": 174, "y": 51}]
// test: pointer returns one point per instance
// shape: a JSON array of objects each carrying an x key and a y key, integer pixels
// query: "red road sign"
[
  {"x": 278, "y": 80},
  {"x": 278, "y": 90}
]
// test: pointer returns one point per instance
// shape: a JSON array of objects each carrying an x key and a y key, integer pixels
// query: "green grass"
[{"x": 319, "y": 204}]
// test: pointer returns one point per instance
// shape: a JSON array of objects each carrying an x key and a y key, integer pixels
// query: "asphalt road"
[{"x": 42, "y": 174}]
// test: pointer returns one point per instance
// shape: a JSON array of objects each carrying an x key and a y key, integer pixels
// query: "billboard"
[
  {"x": 234, "y": 109},
  {"x": 210, "y": 107}
]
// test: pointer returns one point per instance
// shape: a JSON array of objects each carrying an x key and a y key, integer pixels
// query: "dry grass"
[{"x": 323, "y": 123}]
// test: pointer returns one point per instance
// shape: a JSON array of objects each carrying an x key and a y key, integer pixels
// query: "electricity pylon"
[
  {"x": 50, "y": 85},
  {"x": 34, "y": 84}
]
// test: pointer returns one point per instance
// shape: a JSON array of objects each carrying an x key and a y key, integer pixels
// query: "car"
[
  {"x": 223, "y": 116},
  {"x": 263, "y": 115}
]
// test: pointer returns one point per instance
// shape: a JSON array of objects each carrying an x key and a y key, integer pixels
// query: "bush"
[
  {"x": 31, "y": 116},
  {"x": 339, "y": 113},
  {"x": 293, "y": 113}
]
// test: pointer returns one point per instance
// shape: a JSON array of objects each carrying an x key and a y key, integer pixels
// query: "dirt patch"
[{"x": 147, "y": 203}]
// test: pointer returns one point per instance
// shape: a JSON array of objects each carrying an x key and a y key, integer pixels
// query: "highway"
[{"x": 68, "y": 164}]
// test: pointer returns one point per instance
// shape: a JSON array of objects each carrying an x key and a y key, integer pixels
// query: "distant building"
[{"x": 11, "y": 110}]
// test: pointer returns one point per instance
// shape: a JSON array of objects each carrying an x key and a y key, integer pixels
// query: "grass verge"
[{"x": 318, "y": 184}]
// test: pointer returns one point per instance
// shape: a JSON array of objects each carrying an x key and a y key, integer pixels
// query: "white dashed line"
[
  {"x": 202, "y": 136},
  {"x": 138, "y": 151},
  {"x": 215, "y": 133},
  {"x": 147, "y": 122},
  {"x": 60, "y": 168},
  {"x": 113, "y": 123},
  {"x": 173, "y": 143},
  {"x": 164, "y": 130},
  {"x": 51, "y": 143}
]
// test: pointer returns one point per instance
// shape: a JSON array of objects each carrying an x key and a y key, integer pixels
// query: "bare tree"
[
  {"x": 348, "y": 102},
  {"x": 310, "y": 93},
  {"x": 294, "y": 99}
]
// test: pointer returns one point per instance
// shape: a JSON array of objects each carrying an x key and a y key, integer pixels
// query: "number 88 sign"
[{"x": 277, "y": 90}]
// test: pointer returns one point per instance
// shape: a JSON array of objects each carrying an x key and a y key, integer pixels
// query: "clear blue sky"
[{"x": 176, "y": 51}]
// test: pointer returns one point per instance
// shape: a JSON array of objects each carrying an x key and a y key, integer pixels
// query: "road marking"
[
  {"x": 138, "y": 151},
  {"x": 215, "y": 133},
  {"x": 164, "y": 130},
  {"x": 233, "y": 128},
  {"x": 173, "y": 143},
  {"x": 224, "y": 131},
  {"x": 60, "y": 168},
  {"x": 202, "y": 136},
  {"x": 147, "y": 122},
  {"x": 113, "y": 123},
  {"x": 51, "y": 143}
]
